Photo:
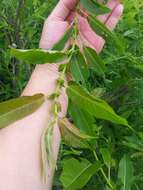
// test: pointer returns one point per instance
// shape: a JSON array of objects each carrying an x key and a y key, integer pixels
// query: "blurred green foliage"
[{"x": 20, "y": 25}]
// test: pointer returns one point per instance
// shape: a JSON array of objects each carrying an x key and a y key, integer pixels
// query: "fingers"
[
  {"x": 96, "y": 41},
  {"x": 97, "y": 46},
  {"x": 111, "y": 5},
  {"x": 63, "y": 9},
  {"x": 89, "y": 35},
  {"x": 57, "y": 24},
  {"x": 114, "y": 17}
]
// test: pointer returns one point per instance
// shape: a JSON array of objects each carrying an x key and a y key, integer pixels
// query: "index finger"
[{"x": 62, "y": 10}]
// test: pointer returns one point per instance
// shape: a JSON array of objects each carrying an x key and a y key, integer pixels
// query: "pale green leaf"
[
  {"x": 18, "y": 108},
  {"x": 106, "y": 156},
  {"x": 125, "y": 172},
  {"x": 38, "y": 56},
  {"x": 98, "y": 92}
]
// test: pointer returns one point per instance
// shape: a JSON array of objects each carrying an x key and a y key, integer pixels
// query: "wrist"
[{"x": 42, "y": 80}]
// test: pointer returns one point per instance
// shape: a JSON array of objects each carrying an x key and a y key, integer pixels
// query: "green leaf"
[
  {"x": 140, "y": 135},
  {"x": 72, "y": 135},
  {"x": 49, "y": 148},
  {"x": 102, "y": 30},
  {"x": 76, "y": 174},
  {"x": 82, "y": 119},
  {"x": 61, "y": 44},
  {"x": 133, "y": 142},
  {"x": 106, "y": 156},
  {"x": 125, "y": 172},
  {"x": 79, "y": 68},
  {"x": 48, "y": 160},
  {"x": 92, "y": 6},
  {"x": 94, "y": 61},
  {"x": 38, "y": 56},
  {"x": 15, "y": 109},
  {"x": 93, "y": 105}
]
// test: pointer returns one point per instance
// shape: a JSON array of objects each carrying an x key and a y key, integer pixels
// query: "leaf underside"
[
  {"x": 16, "y": 109},
  {"x": 38, "y": 56}
]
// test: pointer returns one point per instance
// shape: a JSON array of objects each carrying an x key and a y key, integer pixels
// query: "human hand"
[{"x": 59, "y": 20}]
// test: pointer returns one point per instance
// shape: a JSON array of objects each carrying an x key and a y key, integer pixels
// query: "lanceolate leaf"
[
  {"x": 125, "y": 173},
  {"x": 82, "y": 119},
  {"x": 61, "y": 44},
  {"x": 102, "y": 30},
  {"x": 72, "y": 135},
  {"x": 15, "y": 109},
  {"x": 134, "y": 142},
  {"x": 49, "y": 148},
  {"x": 106, "y": 156},
  {"x": 94, "y": 7},
  {"x": 79, "y": 68},
  {"x": 94, "y": 61},
  {"x": 95, "y": 106},
  {"x": 76, "y": 173},
  {"x": 38, "y": 56}
]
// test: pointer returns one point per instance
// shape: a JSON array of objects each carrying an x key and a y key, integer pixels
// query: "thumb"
[{"x": 56, "y": 24}]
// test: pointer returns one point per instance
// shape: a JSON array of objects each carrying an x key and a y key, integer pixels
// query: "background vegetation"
[{"x": 21, "y": 24}]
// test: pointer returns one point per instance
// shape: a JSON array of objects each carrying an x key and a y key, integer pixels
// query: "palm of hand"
[{"x": 60, "y": 19}]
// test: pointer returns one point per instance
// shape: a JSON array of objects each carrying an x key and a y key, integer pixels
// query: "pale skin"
[{"x": 20, "y": 142}]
